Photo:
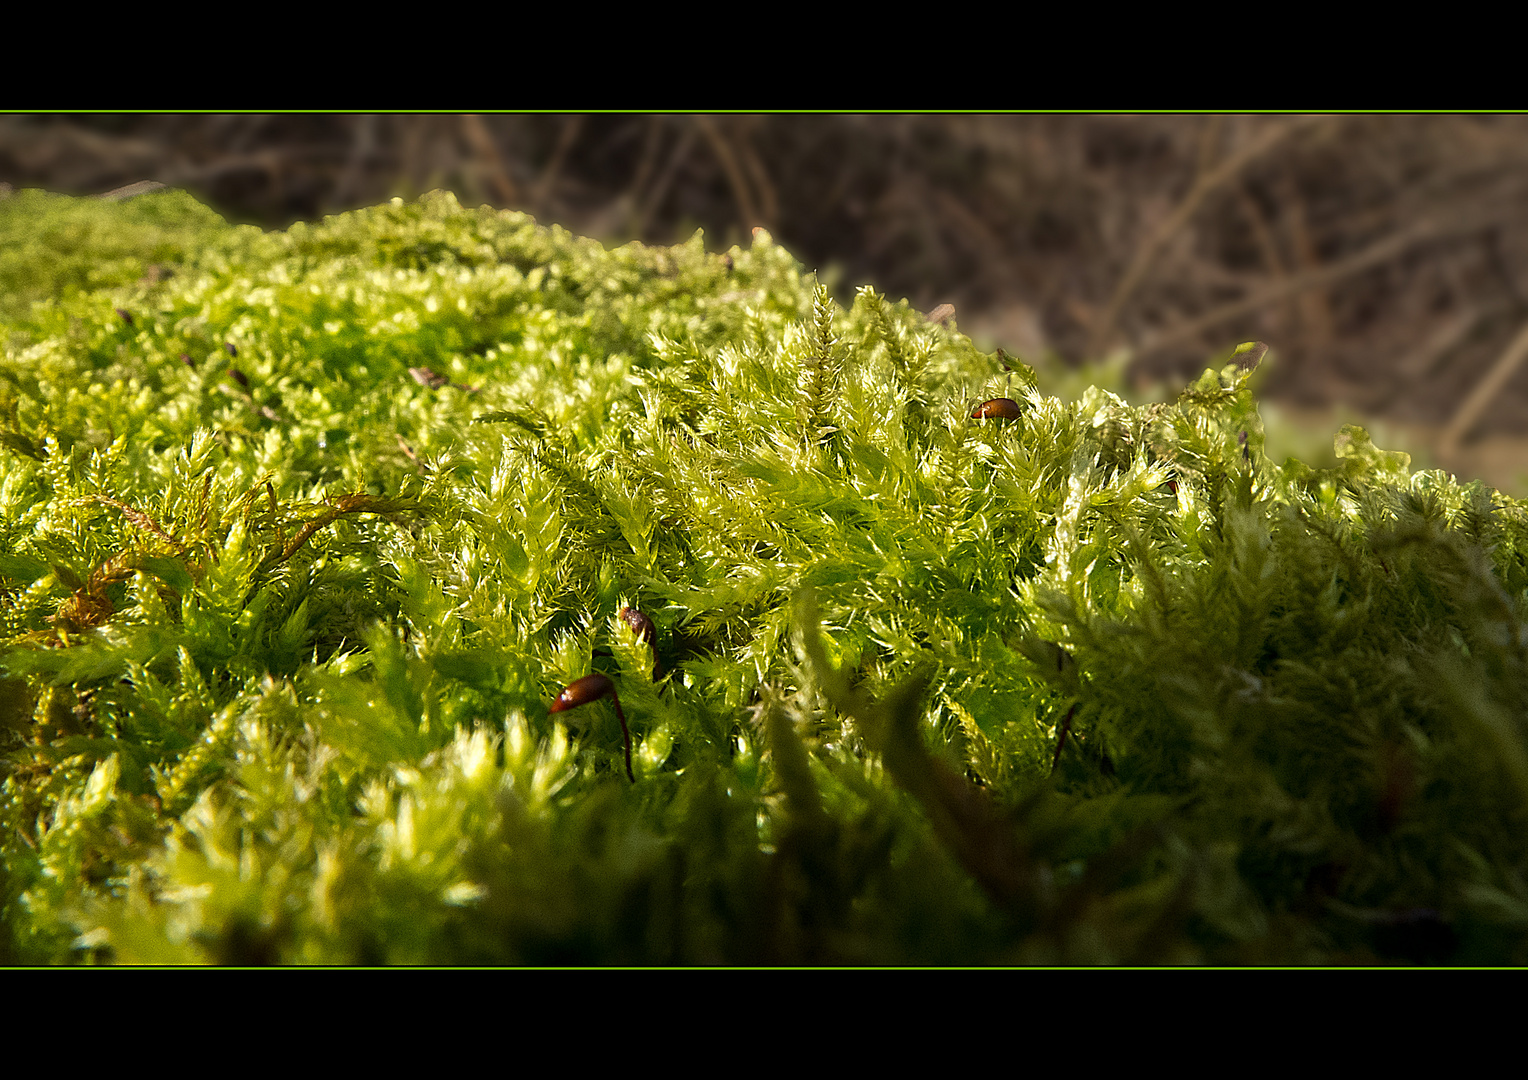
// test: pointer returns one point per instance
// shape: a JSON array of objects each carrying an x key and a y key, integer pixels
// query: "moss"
[{"x": 300, "y": 542}]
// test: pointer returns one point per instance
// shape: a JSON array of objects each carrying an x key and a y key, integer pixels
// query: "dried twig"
[
  {"x": 481, "y": 141},
  {"x": 128, "y": 191},
  {"x": 650, "y": 203},
  {"x": 769, "y": 202},
  {"x": 362, "y": 147},
  {"x": 1485, "y": 392},
  {"x": 1380, "y": 252},
  {"x": 1315, "y": 311},
  {"x": 748, "y": 213},
  {"x": 566, "y": 136},
  {"x": 1421, "y": 361}
]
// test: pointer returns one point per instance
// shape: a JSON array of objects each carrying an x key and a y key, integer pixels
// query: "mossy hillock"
[{"x": 302, "y": 535}]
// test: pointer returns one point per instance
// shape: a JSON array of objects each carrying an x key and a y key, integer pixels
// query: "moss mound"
[{"x": 320, "y": 553}]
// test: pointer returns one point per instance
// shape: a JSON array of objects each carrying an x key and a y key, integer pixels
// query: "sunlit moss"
[{"x": 302, "y": 534}]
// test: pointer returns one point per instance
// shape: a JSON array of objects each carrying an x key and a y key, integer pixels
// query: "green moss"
[{"x": 300, "y": 542}]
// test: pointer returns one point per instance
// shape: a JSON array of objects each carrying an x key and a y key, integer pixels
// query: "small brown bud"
[
  {"x": 643, "y": 627},
  {"x": 997, "y": 409},
  {"x": 592, "y": 688},
  {"x": 582, "y": 691}
]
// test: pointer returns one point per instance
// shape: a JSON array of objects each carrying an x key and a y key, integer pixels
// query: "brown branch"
[
  {"x": 363, "y": 144},
  {"x": 128, "y": 191},
  {"x": 548, "y": 179},
  {"x": 729, "y": 163},
  {"x": 1270, "y": 248},
  {"x": 652, "y": 142},
  {"x": 769, "y": 202},
  {"x": 649, "y": 206},
  {"x": 1315, "y": 311},
  {"x": 1376, "y": 253},
  {"x": 1203, "y": 185},
  {"x": 140, "y": 519},
  {"x": 976, "y": 231},
  {"x": 1422, "y": 360},
  {"x": 1061, "y": 734},
  {"x": 481, "y": 141},
  {"x": 1485, "y": 392}
]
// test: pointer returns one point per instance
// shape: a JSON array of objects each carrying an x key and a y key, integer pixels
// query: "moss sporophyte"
[
  {"x": 1025, "y": 681},
  {"x": 645, "y": 631},
  {"x": 592, "y": 688},
  {"x": 997, "y": 409}
]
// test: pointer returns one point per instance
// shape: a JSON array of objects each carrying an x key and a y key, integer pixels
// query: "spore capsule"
[
  {"x": 997, "y": 409},
  {"x": 582, "y": 691}
]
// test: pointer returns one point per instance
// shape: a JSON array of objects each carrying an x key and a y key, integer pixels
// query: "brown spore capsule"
[
  {"x": 640, "y": 624},
  {"x": 997, "y": 409},
  {"x": 592, "y": 688},
  {"x": 582, "y": 691},
  {"x": 643, "y": 628}
]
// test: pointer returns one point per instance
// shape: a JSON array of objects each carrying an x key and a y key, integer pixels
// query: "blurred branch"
[
  {"x": 1315, "y": 311},
  {"x": 478, "y": 137},
  {"x": 566, "y": 136},
  {"x": 1264, "y": 235},
  {"x": 1380, "y": 252},
  {"x": 769, "y": 202},
  {"x": 1204, "y": 184},
  {"x": 362, "y": 148},
  {"x": 747, "y": 212},
  {"x": 1485, "y": 392},
  {"x": 653, "y": 201},
  {"x": 1422, "y": 360}
]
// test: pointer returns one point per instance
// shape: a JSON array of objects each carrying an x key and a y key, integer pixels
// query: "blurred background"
[{"x": 1385, "y": 258}]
